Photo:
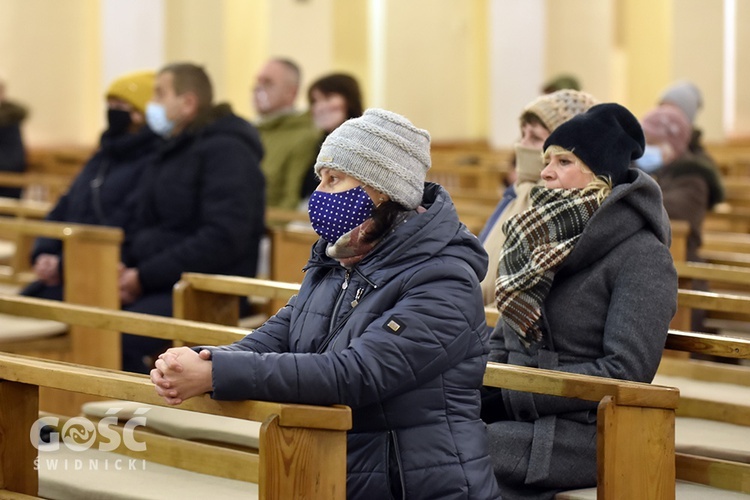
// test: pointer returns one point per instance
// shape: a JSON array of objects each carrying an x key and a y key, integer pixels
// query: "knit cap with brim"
[
  {"x": 558, "y": 107},
  {"x": 606, "y": 138},
  {"x": 136, "y": 88},
  {"x": 383, "y": 150}
]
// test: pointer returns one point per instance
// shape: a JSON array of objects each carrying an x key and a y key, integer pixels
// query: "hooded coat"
[
  {"x": 607, "y": 315},
  {"x": 201, "y": 206},
  {"x": 401, "y": 339}
]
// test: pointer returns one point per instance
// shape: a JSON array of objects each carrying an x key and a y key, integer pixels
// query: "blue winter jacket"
[{"x": 401, "y": 339}]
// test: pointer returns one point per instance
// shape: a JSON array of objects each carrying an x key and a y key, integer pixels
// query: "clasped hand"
[{"x": 181, "y": 373}]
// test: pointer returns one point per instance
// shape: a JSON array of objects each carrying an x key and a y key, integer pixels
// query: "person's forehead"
[{"x": 164, "y": 79}]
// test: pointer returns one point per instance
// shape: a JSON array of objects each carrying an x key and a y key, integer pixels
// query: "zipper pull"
[
  {"x": 357, "y": 297},
  {"x": 345, "y": 284}
]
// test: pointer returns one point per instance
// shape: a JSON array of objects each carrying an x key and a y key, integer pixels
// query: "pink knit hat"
[{"x": 667, "y": 124}]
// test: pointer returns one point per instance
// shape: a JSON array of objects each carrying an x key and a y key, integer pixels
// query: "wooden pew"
[
  {"x": 199, "y": 292},
  {"x": 625, "y": 405},
  {"x": 90, "y": 258},
  {"x": 18, "y": 209},
  {"x": 728, "y": 305},
  {"x": 708, "y": 471},
  {"x": 302, "y": 448},
  {"x": 728, "y": 218},
  {"x": 39, "y": 187},
  {"x": 196, "y": 333}
]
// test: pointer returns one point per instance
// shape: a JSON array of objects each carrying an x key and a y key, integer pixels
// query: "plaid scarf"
[{"x": 538, "y": 241}]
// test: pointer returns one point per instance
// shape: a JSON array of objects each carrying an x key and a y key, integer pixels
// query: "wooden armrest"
[
  {"x": 132, "y": 386},
  {"x": 59, "y": 230},
  {"x": 241, "y": 286},
  {"x": 708, "y": 344},
  {"x": 571, "y": 385},
  {"x": 713, "y": 272},
  {"x": 713, "y": 301},
  {"x": 135, "y": 323}
]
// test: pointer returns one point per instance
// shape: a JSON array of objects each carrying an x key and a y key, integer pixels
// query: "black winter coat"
[
  {"x": 105, "y": 191},
  {"x": 202, "y": 204}
]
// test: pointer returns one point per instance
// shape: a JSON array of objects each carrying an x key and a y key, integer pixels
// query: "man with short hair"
[
  {"x": 201, "y": 206},
  {"x": 289, "y": 138}
]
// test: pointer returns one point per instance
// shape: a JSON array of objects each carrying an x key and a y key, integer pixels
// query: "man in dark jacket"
[
  {"x": 202, "y": 201},
  {"x": 12, "y": 153}
]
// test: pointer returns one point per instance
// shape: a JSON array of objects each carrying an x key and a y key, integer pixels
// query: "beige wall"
[
  {"x": 437, "y": 61},
  {"x": 697, "y": 55},
  {"x": 51, "y": 59},
  {"x": 429, "y": 73},
  {"x": 581, "y": 41},
  {"x": 742, "y": 120}
]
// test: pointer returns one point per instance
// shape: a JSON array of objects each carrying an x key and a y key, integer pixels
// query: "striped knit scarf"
[{"x": 538, "y": 241}]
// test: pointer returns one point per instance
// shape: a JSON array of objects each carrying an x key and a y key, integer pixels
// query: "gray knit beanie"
[
  {"x": 383, "y": 150},
  {"x": 686, "y": 96}
]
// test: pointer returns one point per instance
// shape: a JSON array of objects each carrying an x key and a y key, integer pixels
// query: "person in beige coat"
[{"x": 538, "y": 120}]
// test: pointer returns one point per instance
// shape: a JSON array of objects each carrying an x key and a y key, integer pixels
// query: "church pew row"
[
  {"x": 625, "y": 452},
  {"x": 197, "y": 306},
  {"x": 302, "y": 451},
  {"x": 35, "y": 186},
  {"x": 18, "y": 209},
  {"x": 90, "y": 258}
]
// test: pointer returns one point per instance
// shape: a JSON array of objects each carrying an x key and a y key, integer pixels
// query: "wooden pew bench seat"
[
  {"x": 18, "y": 329},
  {"x": 713, "y": 439},
  {"x": 710, "y": 392},
  {"x": 7, "y": 250},
  {"x": 684, "y": 490},
  {"x": 65, "y": 474},
  {"x": 183, "y": 424}
]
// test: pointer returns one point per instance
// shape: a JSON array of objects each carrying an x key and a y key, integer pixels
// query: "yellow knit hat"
[{"x": 136, "y": 88}]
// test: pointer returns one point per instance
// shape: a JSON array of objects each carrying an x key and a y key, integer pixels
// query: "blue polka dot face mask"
[{"x": 334, "y": 214}]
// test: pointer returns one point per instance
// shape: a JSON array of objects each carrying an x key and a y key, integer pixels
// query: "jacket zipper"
[
  {"x": 336, "y": 308},
  {"x": 359, "y": 296},
  {"x": 397, "y": 454}
]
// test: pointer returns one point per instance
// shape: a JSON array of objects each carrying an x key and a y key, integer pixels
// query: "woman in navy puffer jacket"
[{"x": 389, "y": 321}]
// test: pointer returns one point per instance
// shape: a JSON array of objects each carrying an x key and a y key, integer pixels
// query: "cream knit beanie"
[
  {"x": 558, "y": 107},
  {"x": 383, "y": 150}
]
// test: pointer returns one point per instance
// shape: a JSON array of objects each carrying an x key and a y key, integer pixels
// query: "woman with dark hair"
[
  {"x": 333, "y": 99},
  {"x": 389, "y": 320}
]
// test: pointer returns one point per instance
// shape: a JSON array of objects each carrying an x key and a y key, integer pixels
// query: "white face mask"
[
  {"x": 651, "y": 160},
  {"x": 156, "y": 117}
]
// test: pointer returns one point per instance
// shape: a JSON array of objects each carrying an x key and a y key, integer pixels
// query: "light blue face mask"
[
  {"x": 156, "y": 118},
  {"x": 651, "y": 160}
]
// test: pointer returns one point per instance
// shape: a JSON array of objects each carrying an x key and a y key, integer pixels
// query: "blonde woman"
[
  {"x": 538, "y": 120},
  {"x": 586, "y": 285}
]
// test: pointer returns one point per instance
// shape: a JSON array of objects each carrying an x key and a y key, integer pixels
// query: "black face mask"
[{"x": 119, "y": 121}]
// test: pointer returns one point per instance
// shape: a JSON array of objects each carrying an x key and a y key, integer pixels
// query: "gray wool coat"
[
  {"x": 606, "y": 315},
  {"x": 400, "y": 338}
]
